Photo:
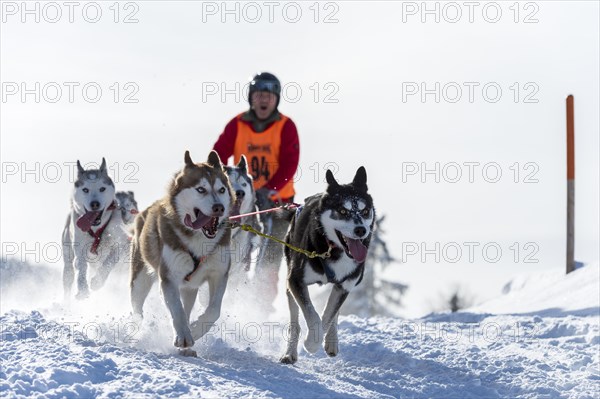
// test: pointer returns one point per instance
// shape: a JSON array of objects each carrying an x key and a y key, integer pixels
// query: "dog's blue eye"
[
  {"x": 102, "y": 189},
  {"x": 201, "y": 190},
  {"x": 222, "y": 190},
  {"x": 85, "y": 190},
  {"x": 244, "y": 184}
]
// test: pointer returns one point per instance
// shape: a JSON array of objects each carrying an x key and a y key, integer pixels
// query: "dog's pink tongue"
[
  {"x": 357, "y": 249},
  {"x": 196, "y": 224},
  {"x": 85, "y": 222}
]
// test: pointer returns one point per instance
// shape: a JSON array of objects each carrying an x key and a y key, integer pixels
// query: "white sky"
[{"x": 363, "y": 61}]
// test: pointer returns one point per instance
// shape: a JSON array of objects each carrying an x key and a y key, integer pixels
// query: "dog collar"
[{"x": 98, "y": 233}]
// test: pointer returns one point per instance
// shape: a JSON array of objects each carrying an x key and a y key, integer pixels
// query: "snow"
[
  {"x": 539, "y": 340},
  {"x": 551, "y": 292}
]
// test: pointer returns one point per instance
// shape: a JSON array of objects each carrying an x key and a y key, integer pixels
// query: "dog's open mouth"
[
  {"x": 208, "y": 224},
  {"x": 90, "y": 219},
  {"x": 354, "y": 247}
]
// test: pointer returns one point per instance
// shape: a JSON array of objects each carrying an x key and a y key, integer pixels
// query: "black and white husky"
[
  {"x": 341, "y": 221},
  {"x": 94, "y": 234},
  {"x": 243, "y": 242}
]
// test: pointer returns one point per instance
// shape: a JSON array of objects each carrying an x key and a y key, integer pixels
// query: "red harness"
[{"x": 98, "y": 234}]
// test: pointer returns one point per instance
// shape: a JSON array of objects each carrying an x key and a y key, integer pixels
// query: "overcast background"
[{"x": 353, "y": 74}]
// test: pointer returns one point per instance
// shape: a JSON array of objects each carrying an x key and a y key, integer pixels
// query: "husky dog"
[
  {"x": 243, "y": 242},
  {"x": 340, "y": 221},
  {"x": 94, "y": 233},
  {"x": 178, "y": 239},
  {"x": 127, "y": 205}
]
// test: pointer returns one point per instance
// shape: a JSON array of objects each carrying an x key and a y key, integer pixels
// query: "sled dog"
[
  {"x": 94, "y": 234},
  {"x": 179, "y": 241},
  {"x": 127, "y": 205},
  {"x": 341, "y": 221},
  {"x": 243, "y": 242}
]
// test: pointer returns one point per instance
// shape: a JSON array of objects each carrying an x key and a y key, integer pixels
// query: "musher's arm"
[
  {"x": 226, "y": 141},
  {"x": 289, "y": 156}
]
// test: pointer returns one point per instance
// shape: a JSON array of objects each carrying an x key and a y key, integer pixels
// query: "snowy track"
[
  {"x": 478, "y": 357},
  {"x": 548, "y": 353}
]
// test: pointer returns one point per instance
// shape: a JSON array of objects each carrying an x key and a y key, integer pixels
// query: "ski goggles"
[{"x": 265, "y": 85}]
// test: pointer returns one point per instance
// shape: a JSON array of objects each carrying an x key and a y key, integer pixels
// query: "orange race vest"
[{"x": 262, "y": 152}]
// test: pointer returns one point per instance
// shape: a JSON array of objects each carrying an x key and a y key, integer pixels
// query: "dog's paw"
[
  {"x": 67, "y": 298},
  {"x": 289, "y": 358},
  {"x": 314, "y": 337},
  {"x": 331, "y": 341},
  {"x": 97, "y": 282},
  {"x": 331, "y": 348},
  {"x": 200, "y": 328},
  {"x": 184, "y": 340},
  {"x": 187, "y": 352},
  {"x": 202, "y": 325},
  {"x": 197, "y": 331},
  {"x": 83, "y": 294},
  {"x": 136, "y": 318},
  {"x": 311, "y": 346}
]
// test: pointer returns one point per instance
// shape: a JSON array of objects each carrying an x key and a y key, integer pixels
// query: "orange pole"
[
  {"x": 570, "y": 138},
  {"x": 570, "y": 184}
]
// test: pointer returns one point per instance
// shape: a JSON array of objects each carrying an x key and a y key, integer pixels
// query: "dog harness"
[
  {"x": 330, "y": 274},
  {"x": 98, "y": 234},
  {"x": 197, "y": 261}
]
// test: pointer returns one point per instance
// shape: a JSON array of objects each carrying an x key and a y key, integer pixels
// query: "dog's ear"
[
  {"x": 214, "y": 160},
  {"x": 103, "y": 166},
  {"x": 188, "y": 159},
  {"x": 80, "y": 170},
  {"x": 360, "y": 179},
  {"x": 243, "y": 164},
  {"x": 330, "y": 179},
  {"x": 177, "y": 181},
  {"x": 130, "y": 193}
]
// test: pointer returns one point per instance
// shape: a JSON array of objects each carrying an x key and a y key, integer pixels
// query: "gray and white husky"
[
  {"x": 243, "y": 242},
  {"x": 127, "y": 205},
  {"x": 179, "y": 241},
  {"x": 341, "y": 221},
  {"x": 94, "y": 234}
]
